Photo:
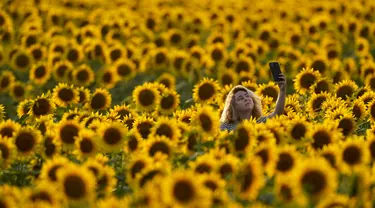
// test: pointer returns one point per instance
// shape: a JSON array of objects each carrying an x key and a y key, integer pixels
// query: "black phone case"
[{"x": 275, "y": 69}]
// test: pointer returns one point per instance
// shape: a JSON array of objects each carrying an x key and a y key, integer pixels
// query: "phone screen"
[{"x": 275, "y": 69}]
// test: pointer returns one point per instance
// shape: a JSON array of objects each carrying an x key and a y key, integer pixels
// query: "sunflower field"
[{"x": 117, "y": 103}]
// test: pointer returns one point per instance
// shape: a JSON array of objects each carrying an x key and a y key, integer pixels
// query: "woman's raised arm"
[{"x": 280, "y": 103}]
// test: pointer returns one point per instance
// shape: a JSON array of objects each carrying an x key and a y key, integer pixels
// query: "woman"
[{"x": 242, "y": 103}]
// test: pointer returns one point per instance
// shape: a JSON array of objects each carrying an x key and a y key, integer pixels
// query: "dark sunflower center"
[
  {"x": 217, "y": 55},
  {"x": 206, "y": 91},
  {"x": 159, "y": 147},
  {"x": 226, "y": 79},
  {"x": 203, "y": 168},
  {"x": 346, "y": 125},
  {"x": 176, "y": 38},
  {"x": 192, "y": 141},
  {"x": 22, "y": 61},
  {"x": 242, "y": 66},
  {"x": 98, "y": 101},
  {"x": 136, "y": 168},
  {"x": 40, "y": 72},
  {"x": 7, "y": 131},
  {"x": 74, "y": 187},
  {"x": 206, "y": 122},
  {"x": 144, "y": 129},
  {"x": 61, "y": 70},
  {"x": 37, "y": 54},
  {"x": 4, "y": 151},
  {"x": 25, "y": 142},
  {"x": 146, "y": 97},
  {"x": 133, "y": 143},
  {"x": 298, "y": 131},
  {"x": 124, "y": 70},
  {"x": 319, "y": 65},
  {"x": 72, "y": 55},
  {"x": 321, "y": 138},
  {"x": 270, "y": 92},
  {"x": 112, "y": 136},
  {"x": 41, "y": 196},
  {"x": 86, "y": 146},
  {"x": 330, "y": 158},
  {"x": 314, "y": 182},
  {"x": 322, "y": 87},
  {"x": 68, "y": 133},
  {"x": 307, "y": 80},
  {"x": 317, "y": 103},
  {"x": 263, "y": 154},
  {"x": 82, "y": 76},
  {"x": 211, "y": 185},
  {"x": 66, "y": 94},
  {"x": 52, "y": 172},
  {"x": 164, "y": 130},
  {"x": 225, "y": 169},
  {"x": 41, "y": 107},
  {"x": 107, "y": 77},
  {"x": 4, "y": 82},
  {"x": 167, "y": 102},
  {"x": 344, "y": 91},
  {"x": 183, "y": 191},
  {"x": 372, "y": 149},
  {"x": 285, "y": 162},
  {"x": 49, "y": 147},
  {"x": 242, "y": 140},
  {"x": 147, "y": 177},
  {"x": 352, "y": 155},
  {"x": 160, "y": 58},
  {"x": 248, "y": 178}
]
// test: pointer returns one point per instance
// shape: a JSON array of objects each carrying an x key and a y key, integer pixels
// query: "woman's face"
[{"x": 243, "y": 101}]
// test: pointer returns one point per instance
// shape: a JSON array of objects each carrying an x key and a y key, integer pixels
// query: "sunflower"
[
  {"x": 60, "y": 70},
  {"x": 322, "y": 134},
  {"x": 314, "y": 105},
  {"x": 21, "y": 60},
  {"x": 125, "y": 69},
  {"x": 38, "y": 52},
  {"x": 43, "y": 193},
  {"x": 133, "y": 141},
  {"x": 287, "y": 161},
  {"x": 335, "y": 200},
  {"x": 287, "y": 191},
  {"x": 144, "y": 125},
  {"x": 345, "y": 89},
  {"x": 358, "y": 109},
  {"x": 77, "y": 184},
  {"x": 347, "y": 124},
  {"x": 151, "y": 173},
  {"x": 26, "y": 141},
  {"x": 158, "y": 145},
  {"x": 331, "y": 154},
  {"x": 6, "y": 79},
  {"x": 40, "y": 73},
  {"x": 217, "y": 52},
  {"x": 123, "y": 111},
  {"x": 205, "y": 91},
  {"x": 183, "y": 188},
  {"x": 86, "y": 144},
  {"x": 367, "y": 69},
  {"x": 322, "y": 85},
  {"x": 316, "y": 178},
  {"x": 168, "y": 80},
  {"x": 112, "y": 136},
  {"x": 264, "y": 135},
  {"x": 136, "y": 165},
  {"x": 65, "y": 95},
  {"x": 203, "y": 164},
  {"x": 227, "y": 77},
  {"x": 51, "y": 146},
  {"x": 8, "y": 152},
  {"x": 169, "y": 102},
  {"x": 100, "y": 100},
  {"x": 74, "y": 54},
  {"x": 107, "y": 181},
  {"x": 249, "y": 178},
  {"x": 244, "y": 138},
  {"x": 83, "y": 76},
  {"x": 146, "y": 97},
  {"x": 305, "y": 79},
  {"x": 8, "y": 128},
  {"x": 207, "y": 120},
  {"x": 159, "y": 58},
  {"x": 268, "y": 154},
  {"x": 353, "y": 154},
  {"x": 362, "y": 46},
  {"x": 107, "y": 78},
  {"x": 292, "y": 102},
  {"x": 67, "y": 131},
  {"x": 268, "y": 90}
]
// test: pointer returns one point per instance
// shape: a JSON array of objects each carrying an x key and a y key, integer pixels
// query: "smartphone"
[{"x": 275, "y": 70}]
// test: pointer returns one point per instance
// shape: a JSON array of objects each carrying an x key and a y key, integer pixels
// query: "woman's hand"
[{"x": 282, "y": 82}]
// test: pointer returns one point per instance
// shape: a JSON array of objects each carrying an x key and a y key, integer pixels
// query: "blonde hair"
[{"x": 230, "y": 115}]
